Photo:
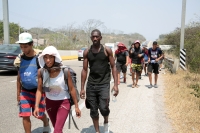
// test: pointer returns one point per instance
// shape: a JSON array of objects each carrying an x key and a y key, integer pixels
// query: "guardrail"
[
  {"x": 171, "y": 64},
  {"x": 68, "y": 54}
]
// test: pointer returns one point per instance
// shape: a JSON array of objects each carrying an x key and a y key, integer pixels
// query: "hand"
[
  {"x": 115, "y": 88},
  {"x": 78, "y": 112},
  {"x": 126, "y": 64},
  {"x": 139, "y": 55},
  {"x": 36, "y": 112},
  {"x": 82, "y": 94},
  {"x": 149, "y": 61},
  {"x": 156, "y": 60}
]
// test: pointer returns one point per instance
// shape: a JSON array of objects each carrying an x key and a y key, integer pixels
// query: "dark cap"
[{"x": 155, "y": 43}]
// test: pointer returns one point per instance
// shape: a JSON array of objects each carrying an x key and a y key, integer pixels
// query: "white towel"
[{"x": 50, "y": 50}]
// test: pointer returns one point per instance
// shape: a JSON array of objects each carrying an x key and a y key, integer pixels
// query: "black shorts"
[
  {"x": 121, "y": 67},
  {"x": 98, "y": 97},
  {"x": 153, "y": 67}
]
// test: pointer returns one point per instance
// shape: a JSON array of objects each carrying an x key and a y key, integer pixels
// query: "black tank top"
[
  {"x": 121, "y": 57},
  {"x": 99, "y": 67}
]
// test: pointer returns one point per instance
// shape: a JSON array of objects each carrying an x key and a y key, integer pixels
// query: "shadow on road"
[
  {"x": 92, "y": 130},
  {"x": 38, "y": 130},
  {"x": 8, "y": 73}
]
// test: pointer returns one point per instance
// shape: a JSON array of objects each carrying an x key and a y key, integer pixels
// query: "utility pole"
[
  {"x": 183, "y": 24},
  {"x": 19, "y": 29},
  {"x": 182, "y": 50},
  {"x": 6, "y": 22}
]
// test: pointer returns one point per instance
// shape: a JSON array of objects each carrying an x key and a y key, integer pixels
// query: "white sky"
[{"x": 147, "y": 17}]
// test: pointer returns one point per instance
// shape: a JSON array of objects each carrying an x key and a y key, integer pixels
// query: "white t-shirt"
[{"x": 58, "y": 88}]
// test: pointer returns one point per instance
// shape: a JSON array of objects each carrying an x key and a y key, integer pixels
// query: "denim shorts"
[{"x": 98, "y": 97}]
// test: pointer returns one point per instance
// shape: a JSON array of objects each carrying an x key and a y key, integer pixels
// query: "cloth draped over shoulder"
[
  {"x": 18, "y": 58},
  {"x": 121, "y": 48}
]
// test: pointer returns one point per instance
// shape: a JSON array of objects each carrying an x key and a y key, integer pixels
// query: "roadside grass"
[{"x": 183, "y": 108}]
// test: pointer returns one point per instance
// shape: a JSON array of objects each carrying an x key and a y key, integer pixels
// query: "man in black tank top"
[{"x": 100, "y": 59}]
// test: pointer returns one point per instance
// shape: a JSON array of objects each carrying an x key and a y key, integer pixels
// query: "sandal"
[
  {"x": 136, "y": 86},
  {"x": 133, "y": 85}
]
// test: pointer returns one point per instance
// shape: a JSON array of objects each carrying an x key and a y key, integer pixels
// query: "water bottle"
[{"x": 114, "y": 99}]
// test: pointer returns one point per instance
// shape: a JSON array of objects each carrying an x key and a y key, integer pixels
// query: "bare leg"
[
  {"x": 133, "y": 77},
  {"x": 27, "y": 124},
  {"x": 150, "y": 77},
  {"x": 124, "y": 77},
  {"x": 96, "y": 124},
  {"x": 118, "y": 75},
  {"x": 156, "y": 78},
  {"x": 45, "y": 120},
  {"x": 145, "y": 69},
  {"x": 105, "y": 119},
  {"x": 137, "y": 77}
]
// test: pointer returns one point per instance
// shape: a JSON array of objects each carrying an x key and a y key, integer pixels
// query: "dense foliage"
[{"x": 191, "y": 44}]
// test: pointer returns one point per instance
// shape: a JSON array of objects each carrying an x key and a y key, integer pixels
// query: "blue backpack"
[
  {"x": 146, "y": 57},
  {"x": 28, "y": 73}
]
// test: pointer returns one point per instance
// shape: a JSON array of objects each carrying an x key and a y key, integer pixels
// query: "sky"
[{"x": 149, "y": 18}]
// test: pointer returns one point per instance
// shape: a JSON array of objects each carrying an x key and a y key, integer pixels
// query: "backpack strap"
[
  {"x": 41, "y": 72},
  {"x": 65, "y": 70}
]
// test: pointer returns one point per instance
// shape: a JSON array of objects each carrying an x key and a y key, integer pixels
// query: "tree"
[
  {"x": 14, "y": 32},
  {"x": 90, "y": 25}
]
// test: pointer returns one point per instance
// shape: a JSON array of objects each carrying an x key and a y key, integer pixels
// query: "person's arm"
[
  {"x": 132, "y": 50},
  {"x": 149, "y": 54},
  {"x": 160, "y": 53},
  {"x": 114, "y": 71},
  {"x": 84, "y": 73},
  {"x": 141, "y": 54},
  {"x": 38, "y": 94},
  {"x": 73, "y": 94},
  {"x": 18, "y": 88}
]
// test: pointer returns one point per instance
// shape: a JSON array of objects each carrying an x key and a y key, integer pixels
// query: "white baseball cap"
[{"x": 25, "y": 38}]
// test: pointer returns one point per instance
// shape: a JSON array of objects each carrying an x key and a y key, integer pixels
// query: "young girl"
[{"x": 57, "y": 96}]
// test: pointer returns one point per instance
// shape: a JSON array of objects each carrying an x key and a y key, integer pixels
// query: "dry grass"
[{"x": 183, "y": 108}]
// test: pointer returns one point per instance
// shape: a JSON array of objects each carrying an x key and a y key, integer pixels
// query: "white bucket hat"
[
  {"x": 50, "y": 50},
  {"x": 25, "y": 38}
]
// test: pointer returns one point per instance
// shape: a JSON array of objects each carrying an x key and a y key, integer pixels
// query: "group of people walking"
[
  {"x": 42, "y": 85},
  {"x": 139, "y": 58}
]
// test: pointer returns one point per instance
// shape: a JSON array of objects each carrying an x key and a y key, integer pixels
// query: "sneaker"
[
  {"x": 150, "y": 86},
  {"x": 106, "y": 127},
  {"x": 155, "y": 86}
]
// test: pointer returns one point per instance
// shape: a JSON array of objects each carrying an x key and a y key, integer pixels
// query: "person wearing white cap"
[
  {"x": 57, "y": 94},
  {"x": 27, "y": 84}
]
